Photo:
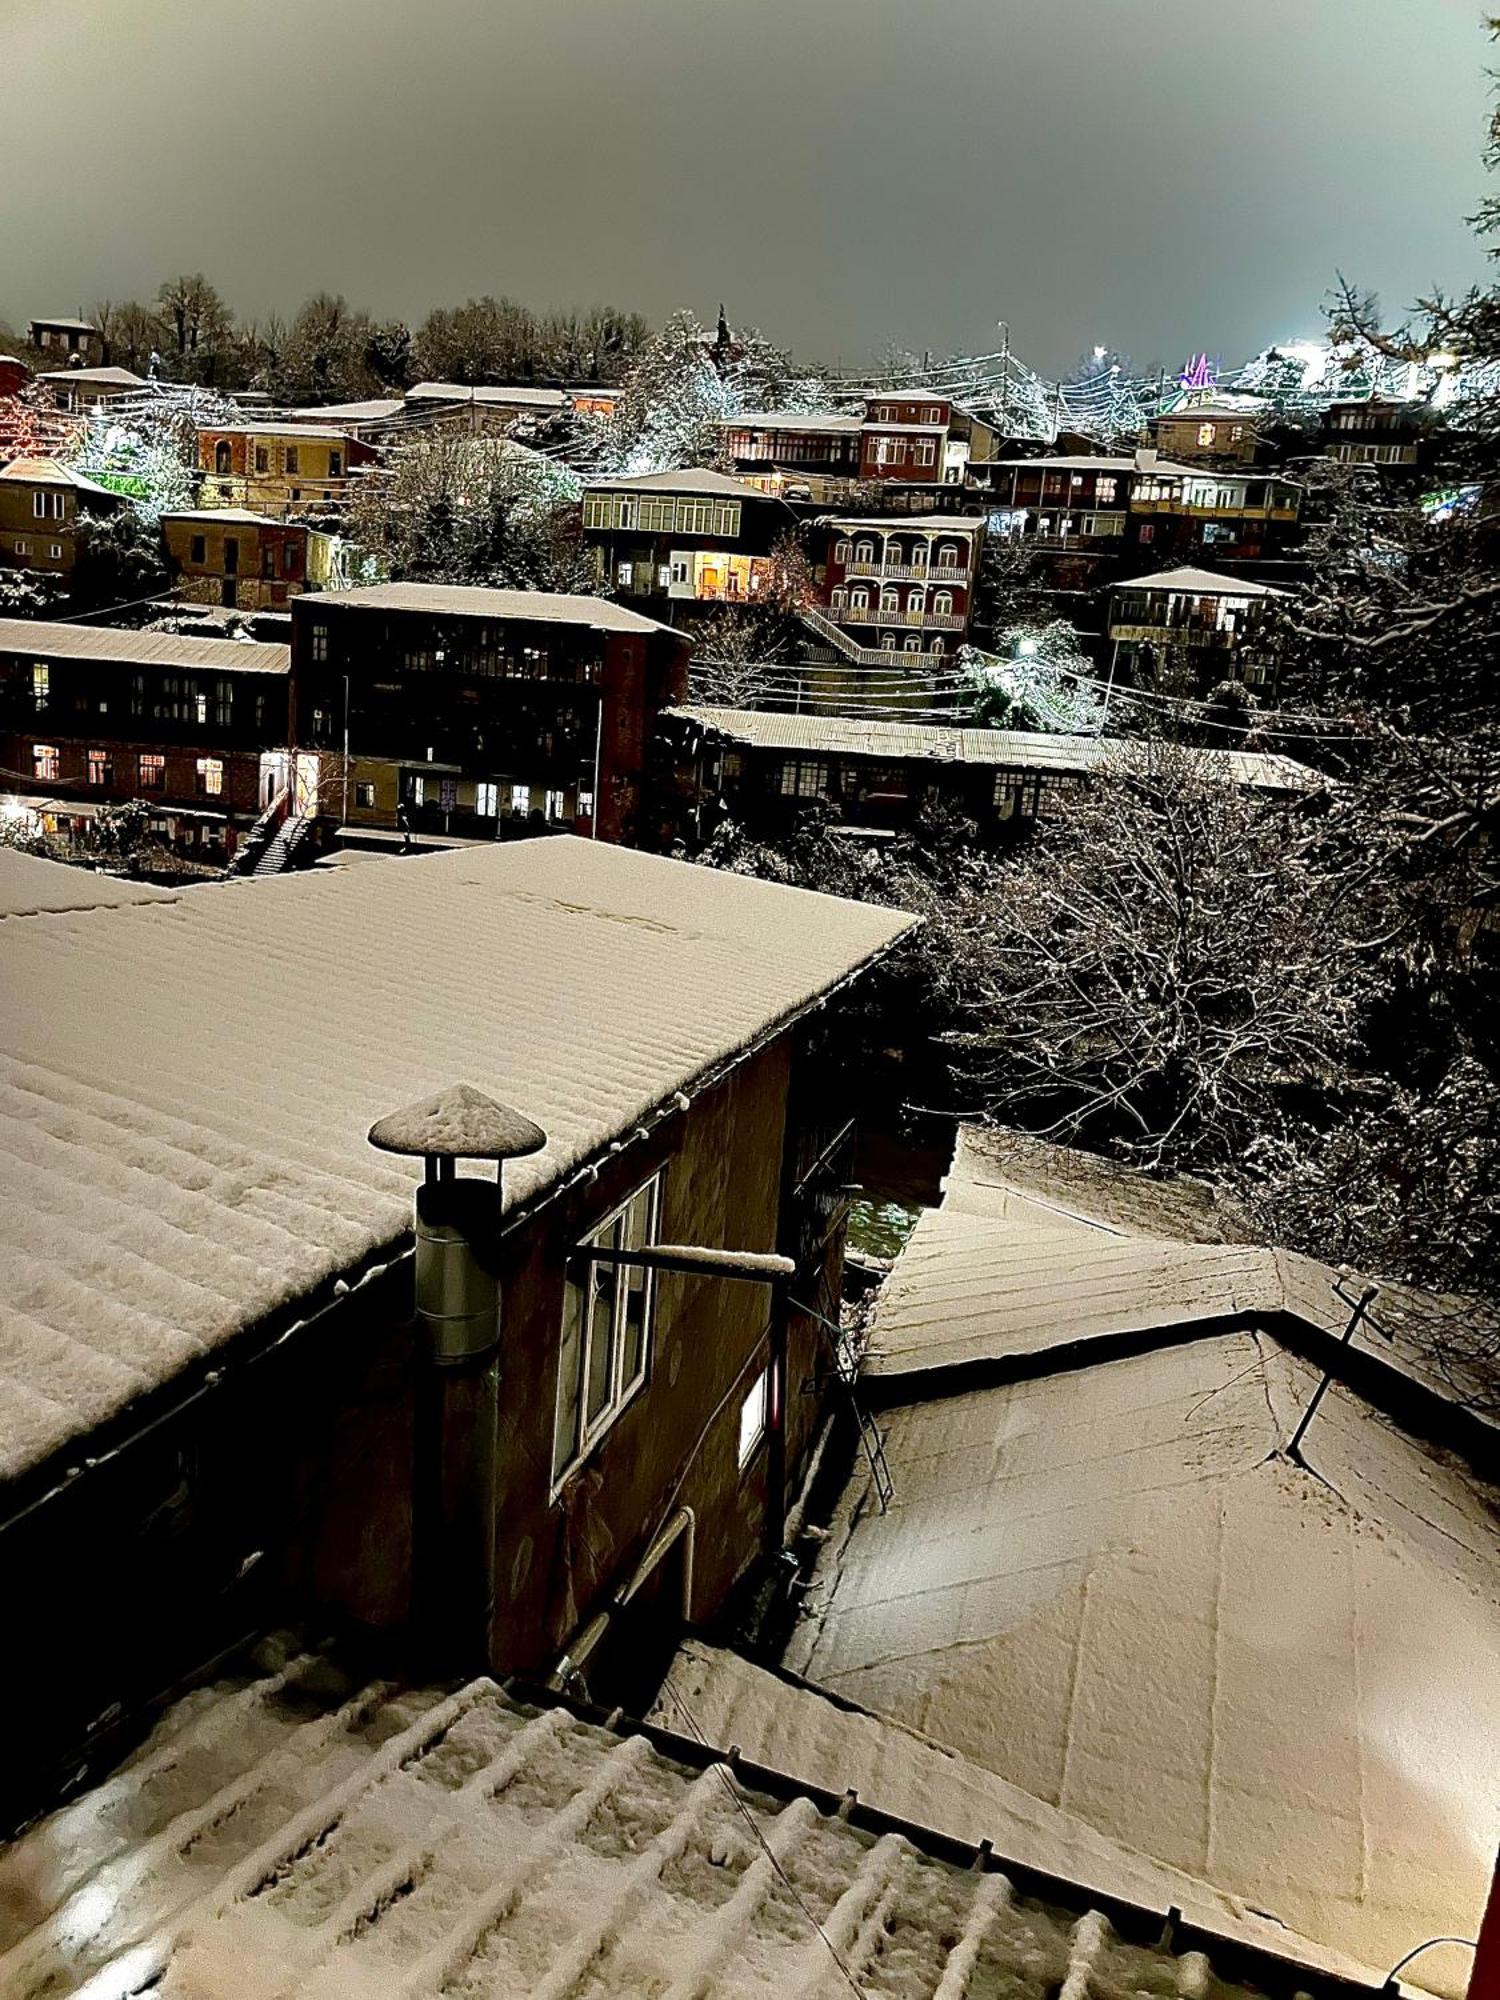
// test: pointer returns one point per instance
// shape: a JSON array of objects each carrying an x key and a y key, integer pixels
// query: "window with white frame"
[
  {"x": 804, "y": 778},
  {"x": 487, "y": 800},
  {"x": 608, "y": 1310},
  {"x": 841, "y": 552},
  {"x": 44, "y": 762},
  {"x": 39, "y": 506},
  {"x": 54, "y": 550},
  {"x": 520, "y": 798},
  {"x": 942, "y": 603},
  {"x": 864, "y": 552},
  {"x": 319, "y": 643},
  {"x": 755, "y": 1414}
]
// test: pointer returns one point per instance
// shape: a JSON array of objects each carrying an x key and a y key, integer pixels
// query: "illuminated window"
[
  {"x": 942, "y": 604},
  {"x": 319, "y": 644},
  {"x": 520, "y": 798},
  {"x": 101, "y": 768},
  {"x": 41, "y": 686},
  {"x": 210, "y": 777},
  {"x": 754, "y": 1413},
  {"x": 487, "y": 800},
  {"x": 44, "y": 761},
  {"x": 608, "y": 1312},
  {"x": 1105, "y": 490},
  {"x": 153, "y": 771},
  {"x": 364, "y": 796},
  {"x": 1206, "y": 433}
]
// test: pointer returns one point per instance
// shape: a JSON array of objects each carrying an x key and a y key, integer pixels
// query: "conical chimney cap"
[{"x": 459, "y": 1123}]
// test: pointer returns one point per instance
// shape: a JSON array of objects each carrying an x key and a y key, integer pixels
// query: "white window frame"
[
  {"x": 54, "y": 551},
  {"x": 570, "y": 1451},
  {"x": 487, "y": 798},
  {"x": 39, "y": 506}
]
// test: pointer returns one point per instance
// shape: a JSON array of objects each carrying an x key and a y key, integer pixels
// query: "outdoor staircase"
[
  {"x": 846, "y": 1371},
  {"x": 280, "y": 851},
  {"x": 831, "y": 634}
]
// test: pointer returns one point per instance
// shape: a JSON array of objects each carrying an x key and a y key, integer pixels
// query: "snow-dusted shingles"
[
  {"x": 309, "y": 1839},
  {"x": 186, "y": 1082}
]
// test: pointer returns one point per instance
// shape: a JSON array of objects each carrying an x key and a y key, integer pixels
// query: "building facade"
[
  {"x": 1373, "y": 432},
  {"x": 1209, "y": 626},
  {"x": 233, "y": 557},
  {"x": 84, "y": 389},
  {"x": 900, "y": 588},
  {"x": 68, "y": 339},
  {"x": 41, "y": 502},
  {"x": 479, "y": 713},
  {"x": 276, "y": 468},
  {"x": 197, "y": 729},
  {"x": 1099, "y": 503},
  {"x": 1207, "y": 434},
  {"x": 684, "y": 541}
]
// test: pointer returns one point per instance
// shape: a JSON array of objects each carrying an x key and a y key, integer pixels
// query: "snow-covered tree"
[
  {"x": 1037, "y": 677},
  {"x": 149, "y": 453}
]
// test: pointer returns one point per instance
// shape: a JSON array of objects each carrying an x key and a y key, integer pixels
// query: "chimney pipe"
[{"x": 457, "y": 1230}]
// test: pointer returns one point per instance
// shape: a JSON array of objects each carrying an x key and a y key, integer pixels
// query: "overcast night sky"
[{"x": 1157, "y": 174}]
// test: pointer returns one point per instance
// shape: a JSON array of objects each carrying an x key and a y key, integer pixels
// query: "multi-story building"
[
  {"x": 903, "y": 438},
  {"x": 788, "y": 452},
  {"x": 1097, "y": 502},
  {"x": 899, "y": 589},
  {"x": 40, "y": 505},
  {"x": 684, "y": 541},
  {"x": 1373, "y": 431},
  {"x": 278, "y": 467},
  {"x": 1213, "y": 624},
  {"x": 251, "y": 562},
  {"x": 1207, "y": 434},
  {"x": 68, "y": 338},
  {"x": 197, "y": 728},
  {"x": 85, "y": 389},
  {"x": 468, "y": 711}
]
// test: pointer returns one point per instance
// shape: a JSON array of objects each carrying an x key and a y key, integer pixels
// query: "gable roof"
[
  {"x": 462, "y": 600},
  {"x": 101, "y": 378},
  {"x": 51, "y": 472},
  {"x": 501, "y": 395},
  {"x": 1104, "y": 1577},
  {"x": 133, "y": 646},
  {"x": 1203, "y": 582},
  {"x": 177, "y": 1169},
  {"x": 794, "y": 420},
  {"x": 292, "y": 1832}
]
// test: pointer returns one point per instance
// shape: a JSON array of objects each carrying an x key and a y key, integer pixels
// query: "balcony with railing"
[
  {"x": 909, "y": 572},
  {"x": 922, "y": 621}
]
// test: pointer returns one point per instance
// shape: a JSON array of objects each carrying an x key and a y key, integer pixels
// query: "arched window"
[
  {"x": 887, "y": 642},
  {"x": 919, "y": 555},
  {"x": 890, "y": 600},
  {"x": 950, "y": 556},
  {"x": 840, "y": 597},
  {"x": 942, "y": 603},
  {"x": 936, "y": 647},
  {"x": 913, "y": 642},
  {"x": 859, "y": 600},
  {"x": 864, "y": 552},
  {"x": 917, "y": 602},
  {"x": 222, "y": 455},
  {"x": 841, "y": 551},
  {"x": 895, "y": 555}
]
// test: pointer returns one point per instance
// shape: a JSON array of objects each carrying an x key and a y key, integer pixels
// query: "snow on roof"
[
  {"x": 777, "y": 1718},
  {"x": 794, "y": 420},
  {"x": 893, "y": 524},
  {"x": 1202, "y": 582},
  {"x": 1089, "y": 462},
  {"x": 193, "y": 1158},
  {"x": 997, "y": 749},
  {"x": 51, "y": 472},
  {"x": 30, "y": 638},
  {"x": 373, "y": 409},
  {"x": 31, "y": 885},
  {"x": 103, "y": 378},
  {"x": 77, "y": 325},
  {"x": 689, "y": 480},
  {"x": 501, "y": 394},
  {"x": 1103, "y": 1579},
  {"x": 1110, "y": 1587},
  {"x": 290, "y": 1832},
  {"x": 240, "y": 516},
  {"x": 462, "y": 600}
]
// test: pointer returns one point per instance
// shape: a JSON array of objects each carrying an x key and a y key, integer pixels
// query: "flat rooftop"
[{"x": 181, "y": 1164}]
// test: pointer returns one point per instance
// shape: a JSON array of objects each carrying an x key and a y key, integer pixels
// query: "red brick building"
[{"x": 902, "y": 586}]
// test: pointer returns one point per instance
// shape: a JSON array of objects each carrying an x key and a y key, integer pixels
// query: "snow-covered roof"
[
  {"x": 1092, "y": 462},
  {"x": 51, "y": 472},
  {"x": 236, "y": 516},
  {"x": 373, "y": 409},
  {"x": 72, "y": 325},
  {"x": 779, "y": 1718},
  {"x": 1200, "y": 582},
  {"x": 294, "y": 1833},
  {"x": 99, "y": 378},
  {"x": 995, "y": 749},
  {"x": 500, "y": 395},
  {"x": 185, "y": 1161},
  {"x": 794, "y": 420},
  {"x": 462, "y": 600},
  {"x": 31, "y": 885},
  {"x": 40, "y": 638},
  {"x": 1103, "y": 1578},
  {"x": 690, "y": 480},
  {"x": 893, "y": 524}
]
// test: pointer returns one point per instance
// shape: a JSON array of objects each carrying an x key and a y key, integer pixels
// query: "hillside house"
[
  {"x": 477, "y": 712},
  {"x": 1207, "y": 434},
  {"x": 1373, "y": 431},
  {"x": 900, "y": 588},
  {"x": 1212, "y": 624},
  {"x": 69, "y": 339},
  {"x": 215, "y": 1407},
  {"x": 82, "y": 390},
  {"x": 683, "y": 541},
  {"x": 41, "y": 501},
  {"x": 274, "y": 468},
  {"x": 234, "y": 557},
  {"x": 95, "y": 715}
]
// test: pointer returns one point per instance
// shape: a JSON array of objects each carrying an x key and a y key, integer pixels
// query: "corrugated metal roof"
[
  {"x": 458, "y": 600},
  {"x": 497, "y": 394},
  {"x": 794, "y": 420},
  {"x": 26, "y": 637},
  {"x": 693, "y": 479},
  {"x": 180, "y": 1164},
  {"x": 296, "y": 1834},
  {"x": 1001, "y": 749},
  {"x": 51, "y": 472},
  {"x": 104, "y": 378},
  {"x": 1205, "y": 582}
]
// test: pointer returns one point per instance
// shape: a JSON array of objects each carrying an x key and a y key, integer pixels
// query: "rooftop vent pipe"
[{"x": 457, "y": 1230}]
